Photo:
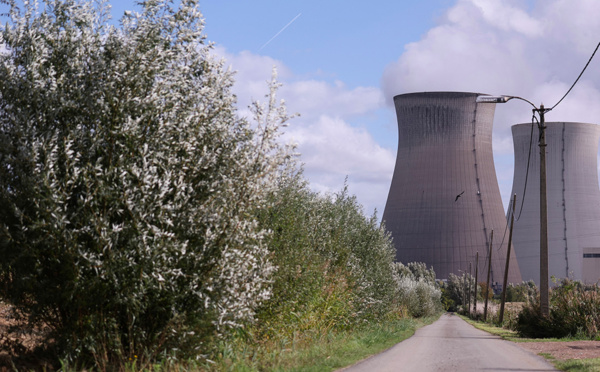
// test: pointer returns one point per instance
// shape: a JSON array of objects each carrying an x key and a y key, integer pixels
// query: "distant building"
[
  {"x": 573, "y": 201},
  {"x": 444, "y": 199}
]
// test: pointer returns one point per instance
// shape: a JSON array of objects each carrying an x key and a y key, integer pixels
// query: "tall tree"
[{"x": 128, "y": 184}]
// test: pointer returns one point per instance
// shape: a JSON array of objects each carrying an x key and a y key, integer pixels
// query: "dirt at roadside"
[
  {"x": 29, "y": 341},
  {"x": 564, "y": 350}
]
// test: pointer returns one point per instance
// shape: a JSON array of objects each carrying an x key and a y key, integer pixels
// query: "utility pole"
[
  {"x": 544, "y": 297},
  {"x": 476, "y": 272},
  {"x": 469, "y": 291},
  {"x": 487, "y": 284},
  {"x": 544, "y": 285},
  {"x": 504, "y": 284},
  {"x": 465, "y": 290}
]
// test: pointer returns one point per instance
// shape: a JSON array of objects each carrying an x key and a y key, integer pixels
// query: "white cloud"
[
  {"x": 317, "y": 97},
  {"x": 332, "y": 149},
  {"x": 533, "y": 49},
  {"x": 495, "y": 47},
  {"x": 507, "y": 17},
  {"x": 332, "y": 141},
  {"x": 309, "y": 97},
  {"x": 507, "y": 47},
  {"x": 571, "y": 25}
]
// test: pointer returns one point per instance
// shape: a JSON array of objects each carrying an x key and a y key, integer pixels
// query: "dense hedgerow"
[
  {"x": 334, "y": 265},
  {"x": 128, "y": 184},
  {"x": 574, "y": 311},
  {"x": 142, "y": 219},
  {"x": 521, "y": 292},
  {"x": 417, "y": 289},
  {"x": 458, "y": 290}
]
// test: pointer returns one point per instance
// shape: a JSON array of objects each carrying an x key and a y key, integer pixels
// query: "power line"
[
  {"x": 534, "y": 119},
  {"x": 508, "y": 213},
  {"x": 527, "y": 171},
  {"x": 582, "y": 71}
]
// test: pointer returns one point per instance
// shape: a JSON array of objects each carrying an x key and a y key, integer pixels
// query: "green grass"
[
  {"x": 578, "y": 365},
  {"x": 574, "y": 365},
  {"x": 508, "y": 334},
  {"x": 323, "y": 353},
  {"x": 571, "y": 365}
]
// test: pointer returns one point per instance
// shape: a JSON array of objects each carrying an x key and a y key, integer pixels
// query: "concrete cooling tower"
[
  {"x": 573, "y": 201},
  {"x": 444, "y": 199}
]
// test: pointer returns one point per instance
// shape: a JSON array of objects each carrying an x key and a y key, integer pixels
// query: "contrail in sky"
[{"x": 280, "y": 31}]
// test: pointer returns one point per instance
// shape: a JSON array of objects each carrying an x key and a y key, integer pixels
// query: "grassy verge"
[
  {"x": 506, "y": 334},
  {"x": 577, "y": 365},
  {"x": 571, "y": 365},
  {"x": 323, "y": 353},
  {"x": 574, "y": 365}
]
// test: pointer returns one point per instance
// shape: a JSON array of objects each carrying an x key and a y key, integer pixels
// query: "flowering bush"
[
  {"x": 334, "y": 265},
  {"x": 457, "y": 291},
  {"x": 142, "y": 219},
  {"x": 521, "y": 292},
  {"x": 128, "y": 185},
  {"x": 574, "y": 311},
  {"x": 417, "y": 289}
]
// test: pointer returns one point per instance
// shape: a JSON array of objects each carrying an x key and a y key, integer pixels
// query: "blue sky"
[
  {"x": 348, "y": 40},
  {"x": 341, "y": 62}
]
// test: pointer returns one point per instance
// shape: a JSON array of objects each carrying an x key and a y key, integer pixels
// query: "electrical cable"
[
  {"x": 533, "y": 119},
  {"x": 506, "y": 228},
  {"x": 582, "y": 71}
]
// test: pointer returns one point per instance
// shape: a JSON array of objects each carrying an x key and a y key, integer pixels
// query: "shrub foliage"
[
  {"x": 128, "y": 185},
  {"x": 142, "y": 219},
  {"x": 417, "y": 289},
  {"x": 458, "y": 290},
  {"x": 574, "y": 311},
  {"x": 335, "y": 266}
]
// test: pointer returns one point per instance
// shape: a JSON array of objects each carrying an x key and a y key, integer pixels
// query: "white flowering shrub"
[
  {"x": 458, "y": 290},
  {"x": 370, "y": 259},
  {"x": 417, "y": 289},
  {"x": 128, "y": 185},
  {"x": 334, "y": 265}
]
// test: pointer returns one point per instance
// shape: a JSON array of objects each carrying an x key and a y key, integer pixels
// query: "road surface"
[{"x": 451, "y": 344}]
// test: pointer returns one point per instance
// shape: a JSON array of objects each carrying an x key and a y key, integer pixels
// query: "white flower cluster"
[
  {"x": 128, "y": 185},
  {"x": 417, "y": 289}
]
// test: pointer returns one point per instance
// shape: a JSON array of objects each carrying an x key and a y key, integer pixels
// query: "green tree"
[
  {"x": 334, "y": 265},
  {"x": 128, "y": 184},
  {"x": 417, "y": 289},
  {"x": 456, "y": 291}
]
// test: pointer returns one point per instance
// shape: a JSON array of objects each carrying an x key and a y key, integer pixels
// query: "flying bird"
[{"x": 459, "y": 195}]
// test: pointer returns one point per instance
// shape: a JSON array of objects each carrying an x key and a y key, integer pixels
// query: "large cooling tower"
[
  {"x": 444, "y": 199},
  {"x": 573, "y": 201}
]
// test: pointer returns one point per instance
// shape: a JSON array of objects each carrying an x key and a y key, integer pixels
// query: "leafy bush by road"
[
  {"x": 334, "y": 265},
  {"x": 574, "y": 311},
  {"x": 128, "y": 185},
  {"x": 418, "y": 290},
  {"x": 142, "y": 220}
]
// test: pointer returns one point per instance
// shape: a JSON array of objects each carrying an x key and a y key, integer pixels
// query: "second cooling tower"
[
  {"x": 444, "y": 199},
  {"x": 573, "y": 200}
]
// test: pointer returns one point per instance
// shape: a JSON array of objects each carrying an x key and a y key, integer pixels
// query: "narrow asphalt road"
[{"x": 451, "y": 344}]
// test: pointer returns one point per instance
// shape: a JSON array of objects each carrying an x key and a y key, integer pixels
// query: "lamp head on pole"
[
  {"x": 493, "y": 99},
  {"x": 502, "y": 99}
]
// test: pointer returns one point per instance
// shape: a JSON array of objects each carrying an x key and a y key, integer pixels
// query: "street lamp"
[{"x": 544, "y": 285}]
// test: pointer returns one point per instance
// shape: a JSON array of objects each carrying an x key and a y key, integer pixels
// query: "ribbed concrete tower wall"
[
  {"x": 573, "y": 201},
  {"x": 444, "y": 199}
]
